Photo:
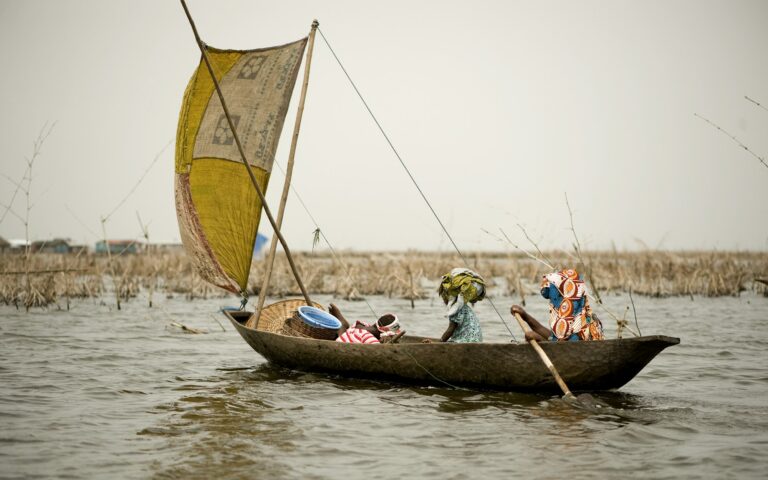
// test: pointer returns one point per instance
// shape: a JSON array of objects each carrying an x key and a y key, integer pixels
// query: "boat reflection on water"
[
  {"x": 275, "y": 420},
  {"x": 224, "y": 426}
]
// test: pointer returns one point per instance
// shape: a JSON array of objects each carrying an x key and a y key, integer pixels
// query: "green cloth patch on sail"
[{"x": 216, "y": 204}]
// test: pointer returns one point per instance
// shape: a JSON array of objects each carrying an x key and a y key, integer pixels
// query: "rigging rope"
[
  {"x": 349, "y": 276},
  {"x": 322, "y": 234},
  {"x": 386, "y": 137}
]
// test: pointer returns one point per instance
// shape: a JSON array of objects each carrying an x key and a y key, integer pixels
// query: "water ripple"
[{"x": 141, "y": 401}]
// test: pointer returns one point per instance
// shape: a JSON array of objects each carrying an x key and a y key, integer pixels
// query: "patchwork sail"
[{"x": 216, "y": 205}]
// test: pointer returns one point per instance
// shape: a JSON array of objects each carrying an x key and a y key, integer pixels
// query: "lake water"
[{"x": 99, "y": 393}]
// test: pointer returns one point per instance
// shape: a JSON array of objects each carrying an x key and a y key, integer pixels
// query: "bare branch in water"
[
  {"x": 217, "y": 321},
  {"x": 732, "y": 137},
  {"x": 29, "y": 295},
  {"x": 8, "y": 210},
  {"x": 45, "y": 272},
  {"x": 187, "y": 329},
  {"x": 622, "y": 323},
  {"x": 141, "y": 179},
  {"x": 19, "y": 186},
  {"x": 517, "y": 247},
  {"x": 81, "y": 222},
  {"x": 634, "y": 311},
  {"x": 577, "y": 248},
  {"x": 14, "y": 182},
  {"x": 756, "y": 103},
  {"x": 541, "y": 254},
  {"x": 577, "y": 245}
]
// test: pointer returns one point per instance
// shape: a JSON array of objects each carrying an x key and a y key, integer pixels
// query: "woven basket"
[
  {"x": 274, "y": 316},
  {"x": 296, "y": 327}
]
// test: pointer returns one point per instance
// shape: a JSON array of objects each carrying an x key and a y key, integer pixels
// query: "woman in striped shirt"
[{"x": 387, "y": 325}]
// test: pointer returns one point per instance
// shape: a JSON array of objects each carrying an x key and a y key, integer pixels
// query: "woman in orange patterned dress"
[{"x": 570, "y": 316}]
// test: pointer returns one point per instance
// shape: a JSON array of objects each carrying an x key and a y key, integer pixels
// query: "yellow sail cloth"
[{"x": 217, "y": 207}]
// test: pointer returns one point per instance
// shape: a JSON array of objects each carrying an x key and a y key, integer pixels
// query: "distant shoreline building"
[
  {"x": 57, "y": 245},
  {"x": 65, "y": 246},
  {"x": 164, "y": 247},
  {"x": 117, "y": 247},
  {"x": 17, "y": 245}
]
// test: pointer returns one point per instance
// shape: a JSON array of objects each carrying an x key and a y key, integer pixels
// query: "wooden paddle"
[{"x": 547, "y": 361}]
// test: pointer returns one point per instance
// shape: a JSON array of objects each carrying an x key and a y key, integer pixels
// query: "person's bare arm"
[
  {"x": 449, "y": 331},
  {"x": 532, "y": 335},
  {"x": 542, "y": 332},
  {"x": 334, "y": 310}
]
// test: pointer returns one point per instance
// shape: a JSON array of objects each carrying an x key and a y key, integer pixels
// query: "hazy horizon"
[{"x": 498, "y": 109}]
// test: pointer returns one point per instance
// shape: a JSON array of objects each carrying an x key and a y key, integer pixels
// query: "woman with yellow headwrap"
[{"x": 460, "y": 289}]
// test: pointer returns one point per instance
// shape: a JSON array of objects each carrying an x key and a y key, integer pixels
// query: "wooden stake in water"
[{"x": 109, "y": 259}]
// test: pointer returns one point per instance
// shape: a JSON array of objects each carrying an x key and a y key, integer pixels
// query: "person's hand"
[
  {"x": 517, "y": 309},
  {"x": 426, "y": 340},
  {"x": 333, "y": 309},
  {"x": 531, "y": 335}
]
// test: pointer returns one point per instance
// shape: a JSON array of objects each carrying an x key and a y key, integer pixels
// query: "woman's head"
[
  {"x": 565, "y": 285},
  {"x": 464, "y": 283},
  {"x": 388, "y": 324}
]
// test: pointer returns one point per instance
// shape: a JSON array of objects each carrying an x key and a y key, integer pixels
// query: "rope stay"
[
  {"x": 407, "y": 170},
  {"x": 349, "y": 276},
  {"x": 327, "y": 242}
]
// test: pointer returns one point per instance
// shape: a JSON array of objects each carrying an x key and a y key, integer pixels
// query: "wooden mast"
[
  {"x": 253, "y": 322},
  {"x": 232, "y": 128}
]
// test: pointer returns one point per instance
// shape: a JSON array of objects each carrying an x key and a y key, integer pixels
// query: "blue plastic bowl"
[{"x": 314, "y": 317}]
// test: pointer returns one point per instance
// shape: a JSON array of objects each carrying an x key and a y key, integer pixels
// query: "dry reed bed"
[
  {"x": 415, "y": 274},
  {"x": 411, "y": 275}
]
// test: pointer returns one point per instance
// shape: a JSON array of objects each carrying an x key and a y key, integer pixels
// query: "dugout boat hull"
[{"x": 585, "y": 366}]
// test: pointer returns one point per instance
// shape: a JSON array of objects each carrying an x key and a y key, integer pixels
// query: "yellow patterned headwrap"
[{"x": 464, "y": 282}]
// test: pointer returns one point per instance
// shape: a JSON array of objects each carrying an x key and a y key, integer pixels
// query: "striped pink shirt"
[{"x": 357, "y": 335}]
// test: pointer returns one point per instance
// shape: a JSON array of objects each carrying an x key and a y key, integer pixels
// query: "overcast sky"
[{"x": 497, "y": 107}]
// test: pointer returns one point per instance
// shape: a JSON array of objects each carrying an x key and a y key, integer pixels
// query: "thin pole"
[
  {"x": 253, "y": 322},
  {"x": 245, "y": 161},
  {"x": 109, "y": 259},
  {"x": 545, "y": 358}
]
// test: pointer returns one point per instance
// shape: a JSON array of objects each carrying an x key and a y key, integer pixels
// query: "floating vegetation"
[{"x": 56, "y": 278}]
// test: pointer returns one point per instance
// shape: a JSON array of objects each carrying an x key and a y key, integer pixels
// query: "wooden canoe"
[{"x": 585, "y": 366}]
